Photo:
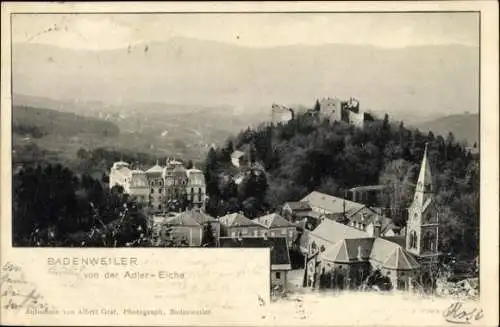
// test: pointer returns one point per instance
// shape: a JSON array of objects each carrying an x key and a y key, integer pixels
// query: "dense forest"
[{"x": 309, "y": 154}]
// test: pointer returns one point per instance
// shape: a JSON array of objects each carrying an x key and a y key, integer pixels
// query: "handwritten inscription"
[
  {"x": 17, "y": 293},
  {"x": 458, "y": 314}
]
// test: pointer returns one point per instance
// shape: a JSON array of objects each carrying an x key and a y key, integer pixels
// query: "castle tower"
[{"x": 422, "y": 228}]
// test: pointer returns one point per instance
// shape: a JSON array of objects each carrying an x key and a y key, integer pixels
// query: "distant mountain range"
[
  {"x": 414, "y": 83},
  {"x": 465, "y": 127}
]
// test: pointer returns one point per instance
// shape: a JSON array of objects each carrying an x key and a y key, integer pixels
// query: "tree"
[
  {"x": 208, "y": 238},
  {"x": 317, "y": 106}
]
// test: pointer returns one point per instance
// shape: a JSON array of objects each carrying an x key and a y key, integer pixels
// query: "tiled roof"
[
  {"x": 381, "y": 250},
  {"x": 332, "y": 231},
  {"x": 349, "y": 250},
  {"x": 237, "y": 220},
  {"x": 298, "y": 205},
  {"x": 199, "y": 217},
  {"x": 336, "y": 253},
  {"x": 182, "y": 220},
  {"x": 400, "y": 260},
  {"x": 398, "y": 239},
  {"x": 278, "y": 246},
  {"x": 273, "y": 221},
  {"x": 330, "y": 203},
  {"x": 367, "y": 216}
]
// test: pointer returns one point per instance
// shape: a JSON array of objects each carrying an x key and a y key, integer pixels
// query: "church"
[{"x": 350, "y": 255}]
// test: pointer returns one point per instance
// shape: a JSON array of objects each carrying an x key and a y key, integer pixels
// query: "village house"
[
  {"x": 280, "y": 258},
  {"x": 295, "y": 210},
  {"x": 188, "y": 226},
  {"x": 239, "y": 158},
  {"x": 370, "y": 221},
  {"x": 184, "y": 227},
  {"x": 329, "y": 204},
  {"x": 204, "y": 220},
  {"x": 347, "y": 254},
  {"x": 278, "y": 226},
  {"x": 236, "y": 224}
]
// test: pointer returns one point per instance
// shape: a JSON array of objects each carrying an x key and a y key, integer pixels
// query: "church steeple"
[
  {"x": 424, "y": 184},
  {"x": 422, "y": 228}
]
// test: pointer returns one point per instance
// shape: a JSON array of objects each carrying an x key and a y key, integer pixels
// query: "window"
[
  {"x": 255, "y": 233},
  {"x": 413, "y": 240},
  {"x": 233, "y": 234},
  {"x": 278, "y": 275},
  {"x": 428, "y": 241},
  {"x": 159, "y": 190},
  {"x": 152, "y": 190},
  {"x": 192, "y": 190},
  {"x": 244, "y": 231},
  {"x": 283, "y": 232},
  {"x": 159, "y": 207}
]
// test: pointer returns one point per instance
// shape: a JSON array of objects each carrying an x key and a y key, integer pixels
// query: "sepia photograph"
[{"x": 345, "y": 143}]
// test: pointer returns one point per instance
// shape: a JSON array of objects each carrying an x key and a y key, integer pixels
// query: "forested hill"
[
  {"x": 47, "y": 121},
  {"x": 464, "y": 126},
  {"x": 305, "y": 155}
]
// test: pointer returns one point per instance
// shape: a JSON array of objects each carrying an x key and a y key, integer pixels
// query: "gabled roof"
[
  {"x": 398, "y": 239},
  {"x": 332, "y": 231},
  {"x": 381, "y": 250},
  {"x": 349, "y": 250},
  {"x": 182, "y": 220},
  {"x": 336, "y": 253},
  {"x": 330, "y": 203},
  {"x": 400, "y": 260},
  {"x": 200, "y": 217},
  {"x": 368, "y": 216},
  {"x": 298, "y": 205},
  {"x": 280, "y": 258},
  {"x": 237, "y": 220},
  {"x": 273, "y": 221}
]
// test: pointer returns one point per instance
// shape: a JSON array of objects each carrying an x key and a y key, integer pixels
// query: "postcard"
[{"x": 249, "y": 164}]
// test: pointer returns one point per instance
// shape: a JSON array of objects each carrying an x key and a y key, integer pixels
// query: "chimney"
[{"x": 377, "y": 227}]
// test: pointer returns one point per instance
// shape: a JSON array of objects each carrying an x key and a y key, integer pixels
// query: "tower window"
[
  {"x": 429, "y": 241},
  {"x": 413, "y": 240}
]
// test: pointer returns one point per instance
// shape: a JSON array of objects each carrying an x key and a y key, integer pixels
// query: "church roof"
[
  {"x": 400, "y": 260},
  {"x": 237, "y": 220},
  {"x": 424, "y": 183},
  {"x": 332, "y": 231},
  {"x": 336, "y": 253},
  {"x": 273, "y": 221}
]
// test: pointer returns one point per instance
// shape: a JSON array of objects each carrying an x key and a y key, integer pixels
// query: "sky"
[{"x": 108, "y": 31}]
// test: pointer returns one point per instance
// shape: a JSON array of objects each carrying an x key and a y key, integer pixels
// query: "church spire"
[{"x": 424, "y": 183}]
